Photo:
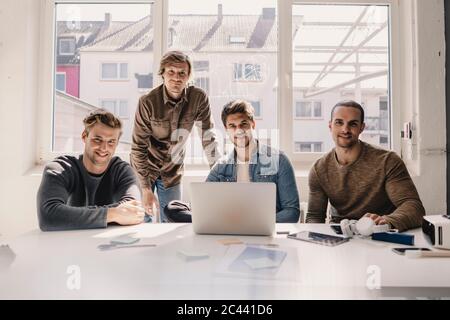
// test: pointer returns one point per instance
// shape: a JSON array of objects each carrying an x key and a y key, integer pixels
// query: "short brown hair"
[
  {"x": 101, "y": 116},
  {"x": 349, "y": 104},
  {"x": 174, "y": 57},
  {"x": 237, "y": 106}
]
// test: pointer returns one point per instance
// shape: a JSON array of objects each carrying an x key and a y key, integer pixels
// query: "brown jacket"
[
  {"x": 377, "y": 182},
  {"x": 161, "y": 129}
]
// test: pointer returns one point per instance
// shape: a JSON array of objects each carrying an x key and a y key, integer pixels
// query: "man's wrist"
[{"x": 111, "y": 215}]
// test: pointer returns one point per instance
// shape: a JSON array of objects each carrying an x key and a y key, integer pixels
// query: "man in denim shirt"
[{"x": 250, "y": 161}]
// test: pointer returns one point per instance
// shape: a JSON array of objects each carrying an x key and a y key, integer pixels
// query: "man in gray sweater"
[
  {"x": 94, "y": 189},
  {"x": 359, "y": 179}
]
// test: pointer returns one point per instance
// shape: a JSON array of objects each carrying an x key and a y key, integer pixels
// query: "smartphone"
[
  {"x": 336, "y": 228},
  {"x": 402, "y": 250}
]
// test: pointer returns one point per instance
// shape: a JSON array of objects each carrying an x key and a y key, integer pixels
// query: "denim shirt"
[{"x": 266, "y": 165}]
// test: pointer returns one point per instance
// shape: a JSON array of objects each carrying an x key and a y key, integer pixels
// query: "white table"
[{"x": 348, "y": 271}]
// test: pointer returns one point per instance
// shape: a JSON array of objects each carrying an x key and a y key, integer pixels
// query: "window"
[
  {"x": 384, "y": 104},
  {"x": 308, "y": 109},
  {"x": 67, "y": 47},
  {"x": 384, "y": 140},
  {"x": 257, "y": 106},
  {"x": 202, "y": 65},
  {"x": 218, "y": 35},
  {"x": 118, "y": 107},
  {"x": 247, "y": 72},
  {"x": 60, "y": 82},
  {"x": 202, "y": 82},
  {"x": 236, "y": 39},
  {"x": 110, "y": 35},
  {"x": 145, "y": 81},
  {"x": 372, "y": 124},
  {"x": 114, "y": 71},
  {"x": 339, "y": 52},
  {"x": 331, "y": 52},
  {"x": 308, "y": 147}
]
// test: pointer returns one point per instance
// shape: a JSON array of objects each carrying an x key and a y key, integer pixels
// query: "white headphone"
[{"x": 364, "y": 227}]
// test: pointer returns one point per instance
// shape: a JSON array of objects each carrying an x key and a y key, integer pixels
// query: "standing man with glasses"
[{"x": 164, "y": 119}]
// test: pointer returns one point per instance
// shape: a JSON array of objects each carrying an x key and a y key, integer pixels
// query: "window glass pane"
[
  {"x": 123, "y": 109},
  {"x": 305, "y": 147},
  {"x": 202, "y": 82},
  {"x": 303, "y": 109},
  {"x": 252, "y": 72},
  {"x": 108, "y": 37},
  {"x": 239, "y": 41},
  {"x": 237, "y": 71},
  {"x": 257, "y": 106},
  {"x": 60, "y": 84},
  {"x": 202, "y": 65},
  {"x": 317, "y": 109},
  {"x": 341, "y": 52},
  {"x": 124, "y": 70},
  {"x": 109, "y": 70},
  {"x": 109, "y": 105},
  {"x": 318, "y": 147},
  {"x": 67, "y": 46}
]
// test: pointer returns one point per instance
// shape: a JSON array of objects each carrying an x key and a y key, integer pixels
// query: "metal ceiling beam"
[
  {"x": 346, "y": 83},
  {"x": 338, "y": 49}
]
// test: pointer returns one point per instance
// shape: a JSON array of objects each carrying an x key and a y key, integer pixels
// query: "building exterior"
[{"x": 234, "y": 56}]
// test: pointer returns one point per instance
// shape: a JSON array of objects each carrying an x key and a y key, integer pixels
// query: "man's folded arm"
[
  {"x": 317, "y": 201},
  {"x": 403, "y": 194},
  {"x": 127, "y": 186},
  {"x": 53, "y": 212}
]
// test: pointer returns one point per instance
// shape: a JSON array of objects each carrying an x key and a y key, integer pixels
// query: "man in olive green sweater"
[{"x": 359, "y": 179}]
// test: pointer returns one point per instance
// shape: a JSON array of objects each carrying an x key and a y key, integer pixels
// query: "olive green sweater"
[{"x": 377, "y": 182}]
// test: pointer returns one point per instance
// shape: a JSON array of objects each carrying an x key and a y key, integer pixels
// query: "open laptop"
[{"x": 233, "y": 208}]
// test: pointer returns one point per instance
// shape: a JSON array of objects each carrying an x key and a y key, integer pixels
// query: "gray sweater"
[{"x": 71, "y": 198}]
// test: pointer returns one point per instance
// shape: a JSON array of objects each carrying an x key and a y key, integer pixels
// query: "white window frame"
[
  {"x": 284, "y": 63},
  {"x": 118, "y": 66},
  {"x": 72, "y": 40},
  {"x": 303, "y": 161}
]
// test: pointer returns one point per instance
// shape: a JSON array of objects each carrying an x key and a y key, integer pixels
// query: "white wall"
[
  {"x": 423, "y": 99},
  {"x": 19, "y": 60},
  {"x": 19, "y": 48}
]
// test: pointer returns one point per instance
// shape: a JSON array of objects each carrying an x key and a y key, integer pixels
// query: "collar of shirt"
[
  {"x": 262, "y": 155},
  {"x": 167, "y": 98},
  {"x": 256, "y": 151}
]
